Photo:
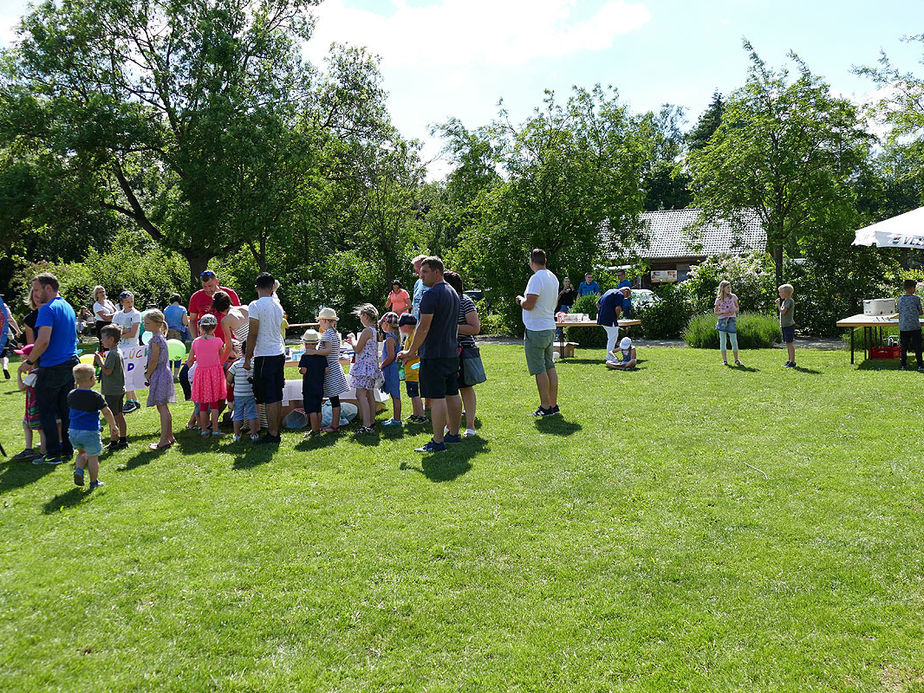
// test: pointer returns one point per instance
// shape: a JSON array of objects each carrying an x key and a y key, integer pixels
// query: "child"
[
  {"x": 623, "y": 358},
  {"x": 910, "y": 311},
  {"x": 390, "y": 349},
  {"x": 407, "y": 325},
  {"x": 313, "y": 367},
  {"x": 129, "y": 320},
  {"x": 30, "y": 421},
  {"x": 240, "y": 380},
  {"x": 85, "y": 407},
  {"x": 365, "y": 370},
  {"x": 209, "y": 388},
  {"x": 335, "y": 383},
  {"x": 785, "y": 306},
  {"x": 726, "y": 309},
  {"x": 160, "y": 380},
  {"x": 112, "y": 382}
]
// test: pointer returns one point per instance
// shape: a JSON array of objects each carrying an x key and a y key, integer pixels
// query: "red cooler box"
[{"x": 885, "y": 352}]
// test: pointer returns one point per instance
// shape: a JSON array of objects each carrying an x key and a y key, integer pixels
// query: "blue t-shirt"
[
  {"x": 4, "y": 324},
  {"x": 85, "y": 406},
  {"x": 60, "y": 317},
  {"x": 585, "y": 289},
  {"x": 442, "y": 302},
  {"x": 174, "y": 314},
  {"x": 908, "y": 315},
  {"x": 313, "y": 379},
  {"x": 419, "y": 290},
  {"x": 606, "y": 315}
]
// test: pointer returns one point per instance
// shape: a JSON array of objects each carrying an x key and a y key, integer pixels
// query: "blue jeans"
[{"x": 51, "y": 389}]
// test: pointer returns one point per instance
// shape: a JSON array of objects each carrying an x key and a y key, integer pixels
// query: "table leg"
[{"x": 852, "y": 332}]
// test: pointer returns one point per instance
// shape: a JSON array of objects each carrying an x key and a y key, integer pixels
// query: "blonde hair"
[
  {"x": 787, "y": 288},
  {"x": 155, "y": 315},
  {"x": 367, "y": 309},
  {"x": 97, "y": 290},
  {"x": 720, "y": 293},
  {"x": 84, "y": 373}
]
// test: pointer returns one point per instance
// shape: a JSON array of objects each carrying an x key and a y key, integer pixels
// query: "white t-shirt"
[
  {"x": 542, "y": 317},
  {"x": 125, "y": 321},
  {"x": 269, "y": 337},
  {"x": 107, "y": 308}
]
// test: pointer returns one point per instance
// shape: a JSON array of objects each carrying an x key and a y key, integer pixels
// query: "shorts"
[
  {"x": 311, "y": 402},
  {"x": 439, "y": 378},
  {"x": 412, "y": 387},
  {"x": 115, "y": 403},
  {"x": 88, "y": 441},
  {"x": 538, "y": 345},
  {"x": 31, "y": 418},
  {"x": 269, "y": 378},
  {"x": 245, "y": 408},
  {"x": 789, "y": 334}
]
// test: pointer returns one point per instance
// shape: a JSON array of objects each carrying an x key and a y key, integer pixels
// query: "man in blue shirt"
[
  {"x": 627, "y": 295},
  {"x": 609, "y": 308},
  {"x": 55, "y": 352},
  {"x": 588, "y": 287},
  {"x": 419, "y": 287}
]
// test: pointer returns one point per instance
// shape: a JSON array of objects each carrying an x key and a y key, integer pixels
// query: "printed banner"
[{"x": 135, "y": 359}]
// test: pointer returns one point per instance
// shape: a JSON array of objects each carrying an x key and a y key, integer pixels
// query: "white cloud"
[
  {"x": 7, "y": 29},
  {"x": 469, "y": 33}
]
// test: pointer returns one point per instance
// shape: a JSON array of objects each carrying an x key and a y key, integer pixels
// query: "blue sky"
[{"x": 443, "y": 58}]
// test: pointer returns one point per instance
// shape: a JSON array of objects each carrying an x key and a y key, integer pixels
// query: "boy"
[
  {"x": 785, "y": 306},
  {"x": 909, "y": 323},
  {"x": 240, "y": 382},
  {"x": 407, "y": 325},
  {"x": 112, "y": 382},
  {"x": 313, "y": 367},
  {"x": 85, "y": 407}
]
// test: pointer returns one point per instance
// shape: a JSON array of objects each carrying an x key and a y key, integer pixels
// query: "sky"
[{"x": 458, "y": 58}]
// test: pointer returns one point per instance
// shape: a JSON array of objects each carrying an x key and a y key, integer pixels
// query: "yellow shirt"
[{"x": 411, "y": 375}]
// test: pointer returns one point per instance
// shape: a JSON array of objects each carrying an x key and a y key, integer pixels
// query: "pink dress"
[{"x": 209, "y": 385}]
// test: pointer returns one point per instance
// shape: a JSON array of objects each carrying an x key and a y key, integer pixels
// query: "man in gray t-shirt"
[{"x": 909, "y": 323}]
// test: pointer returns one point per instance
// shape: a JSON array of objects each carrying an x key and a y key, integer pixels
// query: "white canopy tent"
[{"x": 904, "y": 231}]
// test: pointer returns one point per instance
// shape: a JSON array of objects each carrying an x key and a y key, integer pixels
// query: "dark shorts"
[
  {"x": 789, "y": 334},
  {"x": 439, "y": 378},
  {"x": 412, "y": 387},
  {"x": 311, "y": 403},
  {"x": 269, "y": 378},
  {"x": 115, "y": 403}
]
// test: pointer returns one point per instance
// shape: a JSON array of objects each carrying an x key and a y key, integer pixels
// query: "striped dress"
[{"x": 335, "y": 383}]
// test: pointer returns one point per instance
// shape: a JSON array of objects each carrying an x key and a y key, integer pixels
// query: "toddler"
[
  {"x": 407, "y": 325},
  {"x": 85, "y": 407},
  {"x": 112, "y": 382},
  {"x": 313, "y": 367},
  {"x": 209, "y": 388},
  {"x": 785, "y": 307},
  {"x": 240, "y": 380},
  {"x": 390, "y": 349},
  {"x": 909, "y": 324}
]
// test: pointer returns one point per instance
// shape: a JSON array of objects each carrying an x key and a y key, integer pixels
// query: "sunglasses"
[{"x": 208, "y": 274}]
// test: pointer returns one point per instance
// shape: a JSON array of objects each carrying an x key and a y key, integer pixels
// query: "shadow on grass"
[
  {"x": 325, "y": 440},
  {"x": 881, "y": 365},
  {"x": 747, "y": 369},
  {"x": 449, "y": 465},
  {"x": 556, "y": 426},
  {"x": 68, "y": 499},
  {"x": 254, "y": 455},
  {"x": 15, "y": 475},
  {"x": 811, "y": 371}
]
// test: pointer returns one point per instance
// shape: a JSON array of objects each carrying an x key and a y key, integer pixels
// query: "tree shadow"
[
  {"x": 68, "y": 499},
  {"x": 15, "y": 475},
  {"x": 450, "y": 465},
  {"x": 556, "y": 425}
]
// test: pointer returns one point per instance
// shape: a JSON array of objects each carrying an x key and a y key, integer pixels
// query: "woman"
[
  {"x": 398, "y": 299},
  {"x": 566, "y": 297},
  {"x": 28, "y": 323},
  {"x": 234, "y": 321},
  {"x": 471, "y": 369},
  {"x": 103, "y": 309},
  {"x": 726, "y": 309}
]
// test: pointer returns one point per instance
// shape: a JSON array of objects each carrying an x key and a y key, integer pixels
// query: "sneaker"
[
  {"x": 366, "y": 429},
  {"x": 413, "y": 418},
  {"x": 431, "y": 447},
  {"x": 902, "y": 368},
  {"x": 542, "y": 413},
  {"x": 331, "y": 429},
  {"x": 26, "y": 454},
  {"x": 392, "y": 422},
  {"x": 117, "y": 445},
  {"x": 78, "y": 477},
  {"x": 255, "y": 437},
  {"x": 96, "y": 484},
  {"x": 449, "y": 438},
  {"x": 269, "y": 440},
  {"x": 6, "y": 373},
  {"x": 129, "y": 407},
  {"x": 39, "y": 458},
  {"x": 54, "y": 461},
  {"x": 237, "y": 438},
  {"x": 470, "y": 433},
  {"x": 312, "y": 434},
  {"x": 554, "y": 410}
]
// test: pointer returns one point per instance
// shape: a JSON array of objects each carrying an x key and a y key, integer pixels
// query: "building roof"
[{"x": 673, "y": 233}]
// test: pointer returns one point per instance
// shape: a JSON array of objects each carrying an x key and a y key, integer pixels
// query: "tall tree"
[
  {"x": 785, "y": 151},
  {"x": 665, "y": 183},
  {"x": 708, "y": 123}
]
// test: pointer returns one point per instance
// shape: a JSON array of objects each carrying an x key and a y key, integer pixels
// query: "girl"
[
  {"x": 129, "y": 320},
  {"x": 398, "y": 299},
  {"x": 390, "y": 349},
  {"x": 726, "y": 309},
  {"x": 365, "y": 370},
  {"x": 335, "y": 383},
  {"x": 209, "y": 388},
  {"x": 623, "y": 358},
  {"x": 160, "y": 379}
]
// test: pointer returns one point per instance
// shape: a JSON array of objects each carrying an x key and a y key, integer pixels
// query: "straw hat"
[
  {"x": 328, "y": 314},
  {"x": 311, "y": 336}
]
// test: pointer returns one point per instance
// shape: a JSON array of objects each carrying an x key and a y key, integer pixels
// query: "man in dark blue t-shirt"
[
  {"x": 436, "y": 339},
  {"x": 609, "y": 307},
  {"x": 55, "y": 352}
]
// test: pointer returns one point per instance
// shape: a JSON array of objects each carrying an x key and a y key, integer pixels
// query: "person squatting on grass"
[
  {"x": 539, "y": 320},
  {"x": 910, "y": 311},
  {"x": 786, "y": 307},
  {"x": 85, "y": 405},
  {"x": 112, "y": 382},
  {"x": 726, "y": 309}
]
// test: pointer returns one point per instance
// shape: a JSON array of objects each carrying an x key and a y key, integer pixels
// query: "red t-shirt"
[{"x": 200, "y": 303}]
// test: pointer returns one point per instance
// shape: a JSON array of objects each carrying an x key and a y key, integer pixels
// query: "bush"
[
  {"x": 666, "y": 318},
  {"x": 751, "y": 276},
  {"x": 499, "y": 326},
  {"x": 755, "y": 331}
]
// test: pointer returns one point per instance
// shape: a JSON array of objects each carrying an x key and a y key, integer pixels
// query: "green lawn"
[{"x": 625, "y": 546}]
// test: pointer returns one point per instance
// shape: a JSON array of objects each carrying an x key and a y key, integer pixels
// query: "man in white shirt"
[
  {"x": 539, "y": 319},
  {"x": 265, "y": 346}
]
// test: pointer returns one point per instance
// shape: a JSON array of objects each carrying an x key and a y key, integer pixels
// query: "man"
[
  {"x": 267, "y": 350},
  {"x": 419, "y": 287},
  {"x": 588, "y": 287},
  {"x": 437, "y": 341},
  {"x": 539, "y": 319},
  {"x": 55, "y": 352},
  {"x": 625, "y": 286},
  {"x": 200, "y": 302},
  {"x": 609, "y": 308}
]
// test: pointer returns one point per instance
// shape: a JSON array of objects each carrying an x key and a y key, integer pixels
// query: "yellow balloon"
[{"x": 87, "y": 358}]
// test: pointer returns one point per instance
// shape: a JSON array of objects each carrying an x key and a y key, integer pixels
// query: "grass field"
[{"x": 682, "y": 527}]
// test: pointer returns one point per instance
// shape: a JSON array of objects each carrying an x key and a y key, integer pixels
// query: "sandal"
[
  {"x": 205, "y": 434},
  {"x": 158, "y": 446},
  {"x": 331, "y": 429}
]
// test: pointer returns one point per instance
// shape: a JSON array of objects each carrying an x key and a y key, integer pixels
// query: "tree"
[
  {"x": 785, "y": 151},
  {"x": 170, "y": 112},
  {"x": 708, "y": 123},
  {"x": 666, "y": 184}
]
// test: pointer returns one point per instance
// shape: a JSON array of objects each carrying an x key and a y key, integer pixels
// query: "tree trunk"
[
  {"x": 778, "y": 262},
  {"x": 197, "y": 265}
]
